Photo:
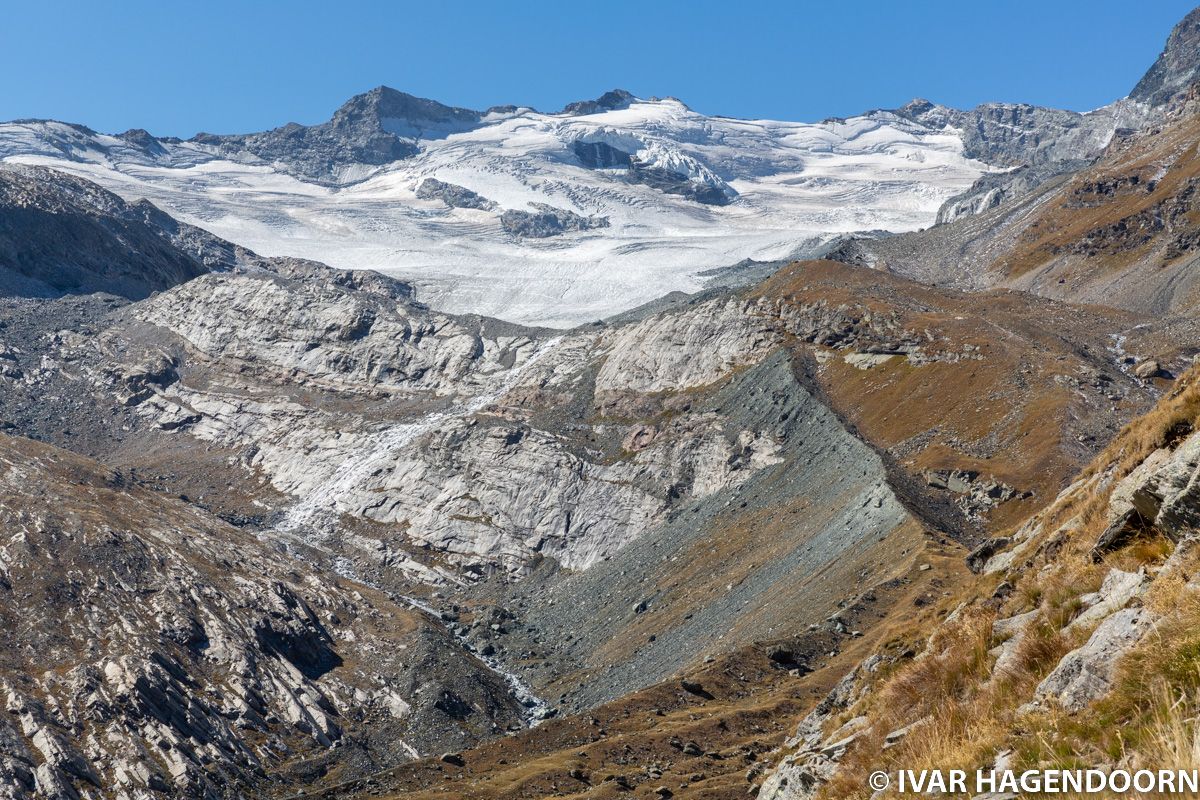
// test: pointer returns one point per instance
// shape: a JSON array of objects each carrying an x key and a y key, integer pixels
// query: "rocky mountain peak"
[
  {"x": 916, "y": 106},
  {"x": 609, "y": 101},
  {"x": 374, "y": 128},
  {"x": 144, "y": 141},
  {"x": 927, "y": 112},
  {"x": 384, "y": 106},
  {"x": 1177, "y": 67}
]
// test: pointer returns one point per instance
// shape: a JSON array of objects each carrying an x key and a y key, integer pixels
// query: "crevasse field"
[{"x": 793, "y": 186}]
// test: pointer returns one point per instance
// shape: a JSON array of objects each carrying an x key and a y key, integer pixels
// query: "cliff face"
[{"x": 496, "y": 447}]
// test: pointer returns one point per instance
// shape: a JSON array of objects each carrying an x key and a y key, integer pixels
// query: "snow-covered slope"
[{"x": 650, "y": 193}]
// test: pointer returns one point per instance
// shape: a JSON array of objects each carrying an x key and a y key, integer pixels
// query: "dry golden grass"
[
  {"x": 1171, "y": 418},
  {"x": 1085, "y": 510},
  {"x": 957, "y": 412},
  {"x": 964, "y": 714},
  {"x": 1173, "y": 736},
  {"x": 969, "y": 712}
]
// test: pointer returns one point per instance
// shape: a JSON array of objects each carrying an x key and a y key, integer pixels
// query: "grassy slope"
[{"x": 970, "y": 714}]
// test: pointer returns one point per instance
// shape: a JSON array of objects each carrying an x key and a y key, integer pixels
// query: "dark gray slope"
[
  {"x": 374, "y": 128},
  {"x": 64, "y": 235},
  {"x": 1177, "y": 68},
  {"x": 849, "y": 509}
]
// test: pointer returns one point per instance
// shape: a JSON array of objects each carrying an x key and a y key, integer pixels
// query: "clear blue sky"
[{"x": 223, "y": 67}]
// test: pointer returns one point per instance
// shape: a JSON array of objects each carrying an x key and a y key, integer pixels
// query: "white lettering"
[
  {"x": 1145, "y": 785},
  {"x": 1055, "y": 781},
  {"x": 985, "y": 781},
  {"x": 1188, "y": 781},
  {"x": 1008, "y": 782},
  {"x": 1050, "y": 781},
  {"x": 1118, "y": 781},
  {"x": 1166, "y": 781},
  {"x": 958, "y": 781}
]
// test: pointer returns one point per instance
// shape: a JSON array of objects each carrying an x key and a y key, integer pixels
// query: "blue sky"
[{"x": 224, "y": 67}]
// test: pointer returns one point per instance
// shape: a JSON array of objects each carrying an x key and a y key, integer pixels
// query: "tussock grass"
[
  {"x": 964, "y": 713},
  {"x": 968, "y": 713},
  {"x": 1173, "y": 737}
]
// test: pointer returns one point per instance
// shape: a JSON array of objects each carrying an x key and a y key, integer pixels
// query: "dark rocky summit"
[
  {"x": 609, "y": 101},
  {"x": 1177, "y": 68},
  {"x": 378, "y": 127}
]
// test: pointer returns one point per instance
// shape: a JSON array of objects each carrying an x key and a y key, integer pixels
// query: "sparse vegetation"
[{"x": 967, "y": 712}]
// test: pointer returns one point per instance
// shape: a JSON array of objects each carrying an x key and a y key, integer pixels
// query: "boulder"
[
  {"x": 1147, "y": 369},
  {"x": 1139, "y": 489},
  {"x": 1114, "y": 594},
  {"x": 1162, "y": 491},
  {"x": 1086, "y": 673},
  {"x": 978, "y": 558}
]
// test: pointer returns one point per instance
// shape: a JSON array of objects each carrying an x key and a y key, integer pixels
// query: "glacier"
[{"x": 778, "y": 190}]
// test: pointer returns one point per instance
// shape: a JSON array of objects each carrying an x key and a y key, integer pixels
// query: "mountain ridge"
[{"x": 610, "y": 198}]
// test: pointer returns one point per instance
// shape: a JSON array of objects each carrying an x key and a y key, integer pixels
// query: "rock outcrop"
[
  {"x": 1086, "y": 673},
  {"x": 401, "y": 403},
  {"x": 995, "y": 189},
  {"x": 1017, "y": 134},
  {"x": 609, "y": 101},
  {"x": 814, "y": 756},
  {"x": 677, "y": 351},
  {"x": 452, "y": 195},
  {"x": 546, "y": 220},
  {"x": 153, "y": 648},
  {"x": 63, "y": 235},
  {"x": 1163, "y": 492}
]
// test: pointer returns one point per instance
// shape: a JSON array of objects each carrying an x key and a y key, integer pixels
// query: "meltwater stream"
[
  {"x": 536, "y": 709},
  {"x": 318, "y": 510},
  {"x": 322, "y": 501}
]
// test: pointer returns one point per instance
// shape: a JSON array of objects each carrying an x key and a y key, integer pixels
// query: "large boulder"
[
  {"x": 1162, "y": 491},
  {"x": 1086, "y": 673}
]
